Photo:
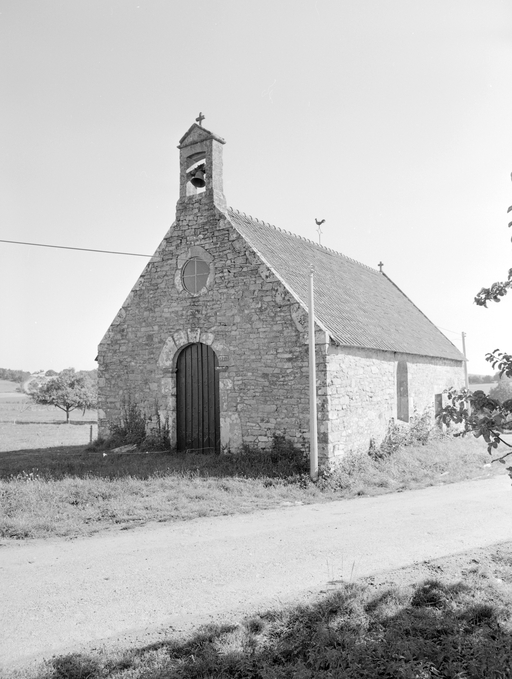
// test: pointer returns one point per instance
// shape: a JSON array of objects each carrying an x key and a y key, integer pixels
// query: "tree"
[
  {"x": 482, "y": 415},
  {"x": 480, "y": 379},
  {"x": 67, "y": 391},
  {"x": 34, "y": 383},
  {"x": 13, "y": 375},
  {"x": 502, "y": 391}
]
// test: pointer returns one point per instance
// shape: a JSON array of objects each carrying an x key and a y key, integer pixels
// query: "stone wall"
[
  {"x": 361, "y": 393},
  {"x": 245, "y": 313}
]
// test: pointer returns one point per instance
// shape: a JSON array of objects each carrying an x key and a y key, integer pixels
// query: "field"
[
  {"x": 483, "y": 387},
  {"x": 26, "y": 425}
]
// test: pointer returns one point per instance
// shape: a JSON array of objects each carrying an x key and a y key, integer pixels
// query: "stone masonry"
[{"x": 361, "y": 393}]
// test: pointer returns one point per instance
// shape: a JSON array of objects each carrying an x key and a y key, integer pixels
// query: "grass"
[
  {"x": 51, "y": 485},
  {"x": 407, "y": 624},
  {"x": 8, "y": 387},
  {"x": 67, "y": 491},
  {"x": 25, "y": 425}
]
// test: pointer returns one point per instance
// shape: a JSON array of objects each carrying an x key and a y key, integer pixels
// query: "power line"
[
  {"x": 67, "y": 247},
  {"x": 114, "y": 252},
  {"x": 446, "y": 330}
]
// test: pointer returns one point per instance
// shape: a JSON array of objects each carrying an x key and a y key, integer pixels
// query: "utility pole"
[
  {"x": 466, "y": 379},
  {"x": 313, "y": 435}
]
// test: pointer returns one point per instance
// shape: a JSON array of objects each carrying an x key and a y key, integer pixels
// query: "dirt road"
[{"x": 136, "y": 585}]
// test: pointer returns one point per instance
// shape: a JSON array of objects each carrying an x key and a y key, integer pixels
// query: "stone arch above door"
[{"x": 167, "y": 358}]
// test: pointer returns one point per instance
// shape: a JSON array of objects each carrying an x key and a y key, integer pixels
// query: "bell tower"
[{"x": 201, "y": 165}]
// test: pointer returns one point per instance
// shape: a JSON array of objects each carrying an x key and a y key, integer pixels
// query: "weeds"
[
  {"x": 136, "y": 427},
  {"x": 411, "y": 455},
  {"x": 45, "y": 493},
  {"x": 418, "y": 431},
  {"x": 76, "y": 492},
  {"x": 130, "y": 429}
]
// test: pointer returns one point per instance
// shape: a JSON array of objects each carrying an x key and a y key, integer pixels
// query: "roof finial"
[
  {"x": 380, "y": 265},
  {"x": 319, "y": 229},
  {"x": 200, "y": 119}
]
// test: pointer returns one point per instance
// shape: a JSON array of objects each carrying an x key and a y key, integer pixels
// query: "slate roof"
[{"x": 357, "y": 305}]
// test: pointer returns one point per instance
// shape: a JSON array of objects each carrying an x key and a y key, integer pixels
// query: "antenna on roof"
[{"x": 319, "y": 223}]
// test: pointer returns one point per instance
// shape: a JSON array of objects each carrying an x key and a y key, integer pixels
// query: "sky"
[{"x": 390, "y": 119}]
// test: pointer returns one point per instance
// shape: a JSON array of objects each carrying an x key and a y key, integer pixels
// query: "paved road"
[{"x": 59, "y": 594}]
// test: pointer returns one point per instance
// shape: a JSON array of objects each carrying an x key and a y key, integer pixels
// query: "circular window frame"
[
  {"x": 196, "y": 251},
  {"x": 196, "y": 277}
]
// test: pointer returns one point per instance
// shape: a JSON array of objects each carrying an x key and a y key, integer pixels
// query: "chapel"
[{"x": 213, "y": 338}]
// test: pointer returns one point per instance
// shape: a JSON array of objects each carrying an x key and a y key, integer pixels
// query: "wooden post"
[
  {"x": 90, "y": 434},
  {"x": 313, "y": 436}
]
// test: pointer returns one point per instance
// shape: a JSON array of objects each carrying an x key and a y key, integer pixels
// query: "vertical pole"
[
  {"x": 466, "y": 379},
  {"x": 90, "y": 434},
  {"x": 313, "y": 438}
]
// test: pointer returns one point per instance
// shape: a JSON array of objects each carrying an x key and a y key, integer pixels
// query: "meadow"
[
  {"x": 485, "y": 387},
  {"x": 26, "y": 425}
]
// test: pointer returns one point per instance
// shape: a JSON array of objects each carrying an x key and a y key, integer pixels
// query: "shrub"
[
  {"x": 131, "y": 428},
  {"x": 75, "y": 666},
  {"x": 137, "y": 428},
  {"x": 419, "y": 431},
  {"x": 502, "y": 391},
  {"x": 282, "y": 460}
]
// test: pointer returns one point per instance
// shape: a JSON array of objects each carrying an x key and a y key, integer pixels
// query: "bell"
[{"x": 197, "y": 178}]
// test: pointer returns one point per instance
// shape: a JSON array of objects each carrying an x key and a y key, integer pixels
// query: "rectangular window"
[{"x": 402, "y": 392}]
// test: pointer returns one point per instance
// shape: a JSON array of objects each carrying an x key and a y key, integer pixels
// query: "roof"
[
  {"x": 357, "y": 305},
  {"x": 195, "y": 134}
]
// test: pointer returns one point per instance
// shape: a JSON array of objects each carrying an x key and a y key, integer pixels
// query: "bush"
[
  {"x": 419, "y": 431},
  {"x": 502, "y": 391},
  {"x": 283, "y": 460},
  {"x": 137, "y": 428},
  {"x": 75, "y": 666},
  {"x": 131, "y": 428}
]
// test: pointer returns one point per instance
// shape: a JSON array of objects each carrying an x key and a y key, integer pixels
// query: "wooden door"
[{"x": 197, "y": 394}]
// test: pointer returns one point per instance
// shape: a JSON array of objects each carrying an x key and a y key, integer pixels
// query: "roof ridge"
[{"x": 308, "y": 240}]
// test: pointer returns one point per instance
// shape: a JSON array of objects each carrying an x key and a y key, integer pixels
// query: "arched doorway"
[{"x": 197, "y": 399}]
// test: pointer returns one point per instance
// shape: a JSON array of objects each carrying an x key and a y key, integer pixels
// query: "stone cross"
[
  {"x": 200, "y": 119},
  {"x": 380, "y": 265}
]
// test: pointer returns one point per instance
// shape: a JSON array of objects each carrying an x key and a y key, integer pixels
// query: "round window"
[{"x": 195, "y": 275}]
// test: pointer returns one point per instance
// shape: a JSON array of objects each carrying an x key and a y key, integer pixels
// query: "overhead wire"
[
  {"x": 446, "y": 330},
  {"x": 68, "y": 247},
  {"x": 127, "y": 254}
]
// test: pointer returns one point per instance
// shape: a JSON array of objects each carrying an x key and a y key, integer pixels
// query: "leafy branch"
[
  {"x": 495, "y": 292},
  {"x": 501, "y": 361},
  {"x": 482, "y": 416},
  {"x": 475, "y": 411}
]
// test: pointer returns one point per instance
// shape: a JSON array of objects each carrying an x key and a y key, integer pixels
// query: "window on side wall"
[{"x": 402, "y": 392}]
